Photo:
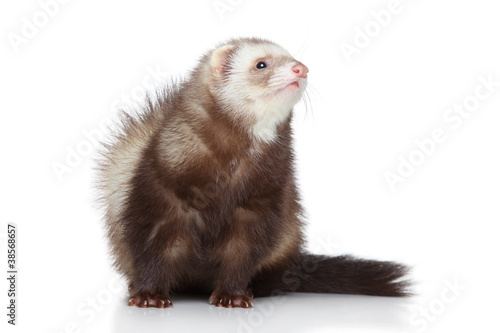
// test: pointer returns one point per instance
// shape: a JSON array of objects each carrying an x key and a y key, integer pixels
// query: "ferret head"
[{"x": 257, "y": 83}]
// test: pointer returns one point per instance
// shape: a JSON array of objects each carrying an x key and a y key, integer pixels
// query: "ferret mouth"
[{"x": 291, "y": 88}]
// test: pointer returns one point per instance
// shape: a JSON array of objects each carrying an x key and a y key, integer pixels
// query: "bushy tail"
[{"x": 337, "y": 275}]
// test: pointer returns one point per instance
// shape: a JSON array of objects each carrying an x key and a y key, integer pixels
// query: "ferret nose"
[{"x": 300, "y": 70}]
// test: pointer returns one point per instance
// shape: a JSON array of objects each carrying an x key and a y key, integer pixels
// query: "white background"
[{"x": 90, "y": 56}]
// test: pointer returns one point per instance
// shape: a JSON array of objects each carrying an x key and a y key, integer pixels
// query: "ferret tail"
[{"x": 335, "y": 275}]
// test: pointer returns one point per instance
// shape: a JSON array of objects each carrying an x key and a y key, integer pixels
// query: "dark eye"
[{"x": 261, "y": 65}]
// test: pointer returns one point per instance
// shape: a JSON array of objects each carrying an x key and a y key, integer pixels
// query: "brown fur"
[{"x": 194, "y": 202}]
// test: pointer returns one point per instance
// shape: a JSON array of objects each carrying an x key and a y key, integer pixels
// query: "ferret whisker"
[
  {"x": 307, "y": 102},
  {"x": 313, "y": 91}
]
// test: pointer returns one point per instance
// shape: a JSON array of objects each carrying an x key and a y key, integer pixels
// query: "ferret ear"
[{"x": 220, "y": 59}]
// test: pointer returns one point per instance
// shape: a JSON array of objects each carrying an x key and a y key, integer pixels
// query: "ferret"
[{"x": 200, "y": 195}]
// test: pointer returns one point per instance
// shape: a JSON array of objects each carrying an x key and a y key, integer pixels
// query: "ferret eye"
[{"x": 261, "y": 65}]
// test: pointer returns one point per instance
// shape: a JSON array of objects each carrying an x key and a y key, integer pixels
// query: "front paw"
[
  {"x": 144, "y": 300},
  {"x": 231, "y": 301}
]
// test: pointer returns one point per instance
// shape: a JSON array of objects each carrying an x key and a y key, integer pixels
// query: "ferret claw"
[
  {"x": 231, "y": 301},
  {"x": 147, "y": 301}
]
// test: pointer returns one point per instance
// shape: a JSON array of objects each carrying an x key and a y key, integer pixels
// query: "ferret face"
[
  {"x": 260, "y": 81},
  {"x": 267, "y": 71}
]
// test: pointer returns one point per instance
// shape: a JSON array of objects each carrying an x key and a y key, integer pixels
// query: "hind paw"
[
  {"x": 231, "y": 301},
  {"x": 143, "y": 300}
]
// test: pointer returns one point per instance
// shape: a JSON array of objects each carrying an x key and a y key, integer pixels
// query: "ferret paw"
[
  {"x": 147, "y": 301},
  {"x": 231, "y": 301}
]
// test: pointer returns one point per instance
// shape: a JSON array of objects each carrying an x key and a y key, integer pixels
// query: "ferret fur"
[{"x": 199, "y": 190}]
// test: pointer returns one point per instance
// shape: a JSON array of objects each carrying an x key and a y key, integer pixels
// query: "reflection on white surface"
[{"x": 290, "y": 313}]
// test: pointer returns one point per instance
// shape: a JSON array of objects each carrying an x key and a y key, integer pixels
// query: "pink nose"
[{"x": 300, "y": 70}]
